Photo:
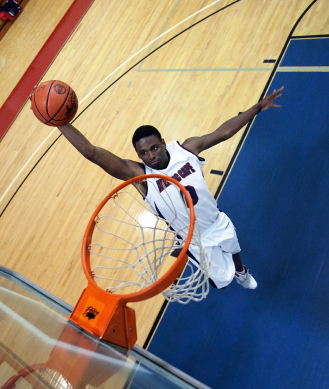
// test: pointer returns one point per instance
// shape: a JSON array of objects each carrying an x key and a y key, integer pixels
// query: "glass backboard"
[{"x": 41, "y": 348}]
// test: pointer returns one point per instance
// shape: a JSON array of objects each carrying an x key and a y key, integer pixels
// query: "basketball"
[{"x": 54, "y": 103}]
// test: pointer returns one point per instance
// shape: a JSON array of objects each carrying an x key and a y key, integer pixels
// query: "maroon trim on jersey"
[
  {"x": 147, "y": 187},
  {"x": 168, "y": 159},
  {"x": 199, "y": 158}
]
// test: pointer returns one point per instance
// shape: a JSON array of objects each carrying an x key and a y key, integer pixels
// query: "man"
[{"x": 183, "y": 163}]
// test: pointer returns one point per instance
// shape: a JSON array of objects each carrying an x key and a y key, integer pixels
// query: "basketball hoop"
[{"x": 127, "y": 256}]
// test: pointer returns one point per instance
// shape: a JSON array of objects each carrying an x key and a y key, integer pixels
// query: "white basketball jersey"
[{"x": 185, "y": 167}]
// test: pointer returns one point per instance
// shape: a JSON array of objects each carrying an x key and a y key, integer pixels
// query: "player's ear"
[{"x": 163, "y": 142}]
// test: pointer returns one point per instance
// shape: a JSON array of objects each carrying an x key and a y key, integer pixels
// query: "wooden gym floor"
[{"x": 210, "y": 67}]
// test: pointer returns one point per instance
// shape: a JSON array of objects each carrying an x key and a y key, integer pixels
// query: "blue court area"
[
  {"x": 307, "y": 52},
  {"x": 277, "y": 195}
]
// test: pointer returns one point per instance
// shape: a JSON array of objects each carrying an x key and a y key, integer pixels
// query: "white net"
[{"x": 134, "y": 244}]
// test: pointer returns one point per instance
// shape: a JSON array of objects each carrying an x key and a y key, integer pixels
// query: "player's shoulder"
[
  {"x": 184, "y": 149},
  {"x": 175, "y": 145}
]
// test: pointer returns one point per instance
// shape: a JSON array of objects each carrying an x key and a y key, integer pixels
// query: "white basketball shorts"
[{"x": 220, "y": 242}]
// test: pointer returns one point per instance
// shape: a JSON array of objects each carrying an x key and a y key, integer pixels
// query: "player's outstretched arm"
[
  {"x": 117, "y": 167},
  {"x": 232, "y": 126}
]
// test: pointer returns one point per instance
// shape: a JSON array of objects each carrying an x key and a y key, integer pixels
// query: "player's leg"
[
  {"x": 222, "y": 266},
  {"x": 229, "y": 243},
  {"x": 242, "y": 275},
  {"x": 237, "y": 262}
]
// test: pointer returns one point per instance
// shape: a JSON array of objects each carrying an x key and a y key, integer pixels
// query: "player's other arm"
[
  {"x": 232, "y": 126},
  {"x": 117, "y": 167}
]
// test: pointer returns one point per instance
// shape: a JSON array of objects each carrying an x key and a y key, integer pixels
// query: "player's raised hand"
[
  {"x": 31, "y": 94},
  {"x": 268, "y": 102}
]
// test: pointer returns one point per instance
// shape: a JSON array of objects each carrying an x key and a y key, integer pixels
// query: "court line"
[
  {"x": 304, "y": 69},
  {"x": 210, "y": 70},
  {"x": 106, "y": 78},
  {"x": 27, "y": 176},
  {"x": 296, "y": 37},
  {"x": 26, "y": 163},
  {"x": 149, "y": 44},
  {"x": 122, "y": 75},
  {"x": 19, "y": 95},
  {"x": 172, "y": 12},
  {"x": 151, "y": 53},
  {"x": 266, "y": 88}
]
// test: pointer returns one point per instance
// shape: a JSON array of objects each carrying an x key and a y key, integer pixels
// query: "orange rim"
[{"x": 169, "y": 277}]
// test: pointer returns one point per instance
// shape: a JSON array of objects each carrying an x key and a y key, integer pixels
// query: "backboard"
[{"x": 41, "y": 348}]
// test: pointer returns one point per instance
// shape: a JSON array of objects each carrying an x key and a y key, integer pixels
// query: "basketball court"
[{"x": 184, "y": 67}]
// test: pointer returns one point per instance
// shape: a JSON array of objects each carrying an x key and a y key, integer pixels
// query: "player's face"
[{"x": 152, "y": 151}]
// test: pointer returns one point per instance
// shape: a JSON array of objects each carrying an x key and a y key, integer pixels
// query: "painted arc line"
[
  {"x": 149, "y": 44},
  {"x": 26, "y": 163},
  {"x": 172, "y": 12},
  {"x": 154, "y": 40}
]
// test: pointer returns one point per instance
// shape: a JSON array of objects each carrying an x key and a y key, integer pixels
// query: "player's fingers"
[
  {"x": 279, "y": 90},
  {"x": 31, "y": 94}
]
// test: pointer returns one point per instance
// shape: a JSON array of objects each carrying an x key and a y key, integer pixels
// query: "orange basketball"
[{"x": 54, "y": 103}]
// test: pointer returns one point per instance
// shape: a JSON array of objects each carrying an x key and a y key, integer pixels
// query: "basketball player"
[{"x": 183, "y": 163}]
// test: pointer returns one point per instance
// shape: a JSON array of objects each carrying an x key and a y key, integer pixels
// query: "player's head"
[
  {"x": 150, "y": 147},
  {"x": 143, "y": 132}
]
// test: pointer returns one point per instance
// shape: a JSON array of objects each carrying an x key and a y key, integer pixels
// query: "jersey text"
[{"x": 183, "y": 172}]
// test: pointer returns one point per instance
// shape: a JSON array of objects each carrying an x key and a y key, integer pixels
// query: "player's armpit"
[{"x": 194, "y": 144}]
